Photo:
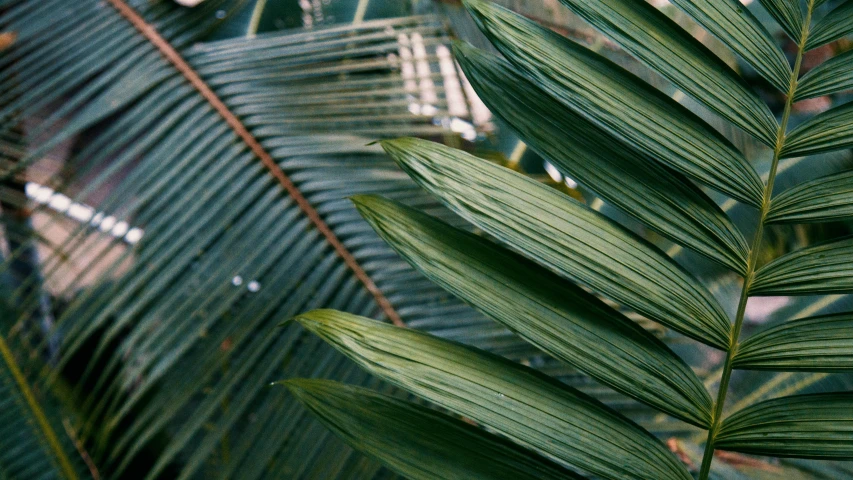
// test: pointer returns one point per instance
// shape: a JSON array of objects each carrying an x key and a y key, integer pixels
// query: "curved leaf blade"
[
  {"x": 822, "y": 268},
  {"x": 824, "y": 199},
  {"x": 565, "y": 236},
  {"x": 653, "y": 194},
  {"x": 831, "y": 76},
  {"x": 834, "y": 25},
  {"x": 789, "y": 14},
  {"x": 29, "y": 444},
  {"x": 619, "y": 102},
  {"x": 660, "y": 43},
  {"x": 826, "y": 132},
  {"x": 415, "y": 441},
  {"x": 815, "y": 344},
  {"x": 556, "y": 316},
  {"x": 802, "y": 426},
  {"x": 738, "y": 28},
  {"x": 526, "y": 406}
]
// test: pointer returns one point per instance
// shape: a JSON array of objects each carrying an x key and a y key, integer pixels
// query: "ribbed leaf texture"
[
  {"x": 656, "y": 195},
  {"x": 824, "y": 199},
  {"x": 619, "y": 102},
  {"x": 189, "y": 250},
  {"x": 823, "y": 268},
  {"x": 417, "y": 442},
  {"x": 653, "y": 38},
  {"x": 826, "y": 132},
  {"x": 575, "y": 242},
  {"x": 836, "y": 24},
  {"x": 30, "y": 446},
  {"x": 738, "y": 28},
  {"x": 551, "y": 313},
  {"x": 804, "y": 426},
  {"x": 520, "y": 403},
  {"x": 832, "y": 76},
  {"x": 815, "y": 344},
  {"x": 206, "y": 196}
]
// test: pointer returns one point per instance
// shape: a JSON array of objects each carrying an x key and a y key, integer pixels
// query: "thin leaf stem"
[
  {"x": 41, "y": 419},
  {"x": 754, "y": 253}
]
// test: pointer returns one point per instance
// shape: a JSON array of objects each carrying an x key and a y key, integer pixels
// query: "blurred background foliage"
[{"x": 156, "y": 363}]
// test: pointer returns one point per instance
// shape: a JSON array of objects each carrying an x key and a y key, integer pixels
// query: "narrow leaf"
[
  {"x": 735, "y": 26},
  {"x": 562, "y": 234},
  {"x": 660, "y": 43},
  {"x": 619, "y": 102},
  {"x": 828, "y": 131},
  {"x": 824, "y": 199},
  {"x": 834, "y": 25},
  {"x": 526, "y": 406},
  {"x": 415, "y": 441},
  {"x": 801, "y": 426},
  {"x": 822, "y": 268},
  {"x": 654, "y": 194},
  {"x": 832, "y": 76},
  {"x": 22, "y": 412},
  {"x": 789, "y": 14},
  {"x": 553, "y": 314},
  {"x": 815, "y": 344}
]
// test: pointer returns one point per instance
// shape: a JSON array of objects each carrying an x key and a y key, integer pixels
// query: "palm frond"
[{"x": 230, "y": 162}]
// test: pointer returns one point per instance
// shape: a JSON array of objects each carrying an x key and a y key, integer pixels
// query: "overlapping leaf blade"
[
  {"x": 653, "y": 38},
  {"x": 815, "y": 344},
  {"x": 821, "y": 268},
  {"x": 652, "y": 193},
  {"x": 824, "y": 199},
  {"x": 172, "y": 306},
  {"x": 524, "y": 405},
  {"x": 831, "y": 76},
  {"x": 826, "y": 132},
  {"x": 737, "y": 27},
  {"x": 418, "y": 442},
  {"x": 789, "y": 14},
  {"x": 801, "y": 426},
  {"x": 834, "y": 25},
  {"x": 29, "y": 444},
  {"x": 556, "y": 316},
  {"x": 619, "y": 102},
  {"x": 565, "y": 236}
]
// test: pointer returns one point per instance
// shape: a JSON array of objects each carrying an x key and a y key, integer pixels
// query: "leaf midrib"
[{"x": 754, "y": 252}]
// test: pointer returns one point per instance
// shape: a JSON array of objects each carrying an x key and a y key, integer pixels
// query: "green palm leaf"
[
  {"x": 738, "y": 29},
  {"x": 415, "y": 441},
  {"x": 789, "y": 15},
  {"x": 555, "y": 315},
  {"x": 804, "y": 426},
  {"x": 821, "y": 200},
  {"x": 656, "y": 40},
  {"x": 814, "y": 344},
  {"x": 828, "y": 131},
  {"x": 526, "y": 406},
  {"x": 619, "y": 102},
  {"x": 179, "y": 318},
  {"x": 823, "y": 268},
  {"x": 834, "y": 25},
  {"x": 589, "y": 155},
  {"x": 472, "y": 187},
  {"x": 29, "y": 444},
  {"x": 831, "y": 76}
]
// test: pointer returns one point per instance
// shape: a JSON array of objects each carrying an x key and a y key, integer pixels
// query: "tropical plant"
[
  {"x": 641, "y": 151},
  {"x": 203, "y": 201}
]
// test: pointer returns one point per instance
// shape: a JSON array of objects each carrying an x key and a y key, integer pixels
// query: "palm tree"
[
  {"x": 204, "y": 202},
  {"x": 640, "y": 151}
]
